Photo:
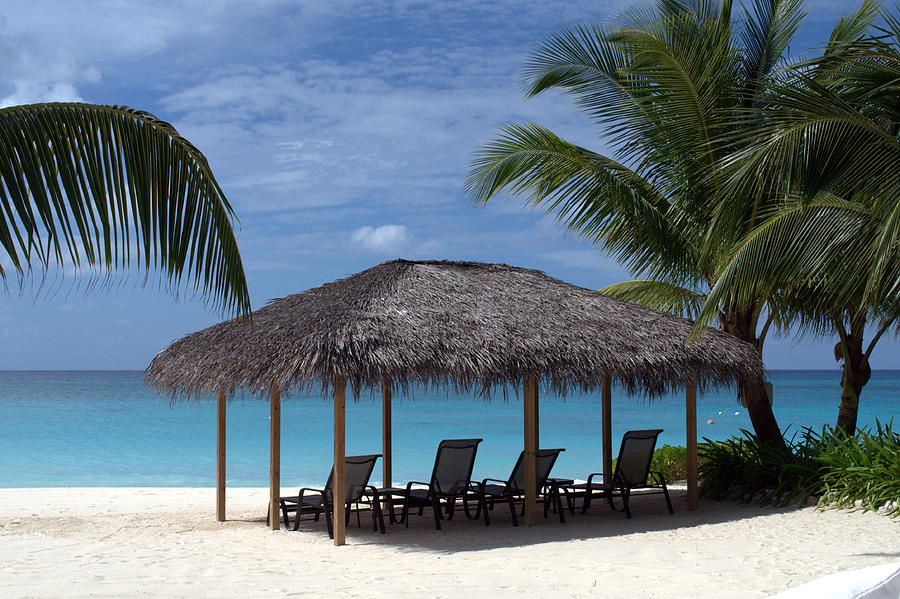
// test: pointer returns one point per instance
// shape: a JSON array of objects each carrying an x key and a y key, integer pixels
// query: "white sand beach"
[{"x": 165, "y": 542}]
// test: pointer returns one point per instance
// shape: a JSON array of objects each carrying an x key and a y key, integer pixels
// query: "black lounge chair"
[
  {"x": 632, "y": 472},
  {"x": 450, "y": 480},
  {"x": 357, "y": 470},
  {"x": 513, "y": 490}
]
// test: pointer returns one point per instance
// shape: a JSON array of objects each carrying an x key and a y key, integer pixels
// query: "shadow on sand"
[{"x": 460, "y": 534}]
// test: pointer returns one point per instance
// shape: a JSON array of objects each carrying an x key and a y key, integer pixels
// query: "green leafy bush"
[
  {"x": 745, "y": 469},
  {"x": 671, "y": 460},
  {"x": 864, "y": 468},
  {"x": 841, "y": 470}
]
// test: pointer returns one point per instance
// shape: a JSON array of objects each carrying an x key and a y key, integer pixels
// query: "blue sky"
[{"x": 340, "y": 131}]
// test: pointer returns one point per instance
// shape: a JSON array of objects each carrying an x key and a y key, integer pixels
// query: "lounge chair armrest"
[
  {"x": 312, "y": 492},
  {"x": 593, "y": 474},
  {"x": 494, "y": 480},
  {"x": 659, "y": 476},
  {"x": 474, "y": 486},
  {"x": 416, "y": 482}
]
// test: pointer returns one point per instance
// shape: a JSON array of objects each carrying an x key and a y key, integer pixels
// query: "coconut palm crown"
[
  {"x": 830, "y": 245},
  {"x": 665, "y": 81}
]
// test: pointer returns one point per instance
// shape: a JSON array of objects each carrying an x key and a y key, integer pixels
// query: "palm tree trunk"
[
  {"x": 741, "y": 323},
  {"x": 856, "y": 373},
  {"x": 756, "y": 400}
]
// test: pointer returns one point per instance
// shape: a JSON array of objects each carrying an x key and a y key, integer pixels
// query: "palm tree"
[
  {"x": 110, "y": 188},
  {"x": 817, "y": 255},
  {"x": 666, "y": 82},
  {"x": 830, "y": 247}
]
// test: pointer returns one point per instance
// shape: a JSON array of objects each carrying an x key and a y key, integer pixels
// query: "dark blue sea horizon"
[{"x": 107, "y": 428}]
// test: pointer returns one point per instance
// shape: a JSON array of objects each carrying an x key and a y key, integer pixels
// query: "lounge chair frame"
[
  {"x": 316, "y": 502},
  {"x": 641, "y": 478},
  {"x": 442, "y": 498},
  {"x": 512, "y": 490}
]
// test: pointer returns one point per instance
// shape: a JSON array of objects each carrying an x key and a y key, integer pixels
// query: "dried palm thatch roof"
[{"x": 463, "y": 324}]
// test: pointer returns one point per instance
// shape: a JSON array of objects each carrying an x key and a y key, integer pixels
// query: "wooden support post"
[
  {"x": 340, "y": 475},
  {"x": 386, "y": 443},
  {"x": 274, "y": 456},
  {"x": 220, "y": 456},
  {"x": 606, "y": 425},
  {"x": 693, "y": 491},
  {"x": 531, "y": 427}
]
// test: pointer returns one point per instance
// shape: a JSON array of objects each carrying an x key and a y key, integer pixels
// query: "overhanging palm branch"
[
  {"x": 819, "y": 251},
  {"x": 112, "y": 188},
  {"x": 660, "y": 295},
  {"x": 595, "y": 197},
  {"x": 750, "y": 194},
  {"x": 815, "y": 140},
  {"x": 831, "y": 133},
  {"x": 834, "y": 123}
]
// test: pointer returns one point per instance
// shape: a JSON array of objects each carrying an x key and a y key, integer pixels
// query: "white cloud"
[
  {"x": 386, "y": 239},
  {"x": 33, "y": 92}
]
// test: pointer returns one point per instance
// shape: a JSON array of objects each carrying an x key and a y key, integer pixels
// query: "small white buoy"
[
  {"x": 737, "y": 413},
  {"x": 720, "y": 412}
]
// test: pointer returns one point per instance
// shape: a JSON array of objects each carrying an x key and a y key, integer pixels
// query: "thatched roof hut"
[
  {"x": 467, "y": 324},
  {"x": 462, "y": 324}
]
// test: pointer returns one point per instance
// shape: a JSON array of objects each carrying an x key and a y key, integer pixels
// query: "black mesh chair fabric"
[
  {"x": 635, "y": 455},
  {"x": 453, "y": 465},
  {"x": 315, "y": 502},
  {"x": 632, "y": 472},
  {"x": 513, "y": 489},
  {"x": 544, "y": 460},
  {"x": 357, "y": 471},
  {"x": 450, "y": 481}
]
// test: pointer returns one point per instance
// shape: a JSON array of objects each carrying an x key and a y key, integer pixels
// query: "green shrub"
[
  {"x": 864, "y": 468},
  {"x": 745, "y": 469},
  {"x": 671, "y": 460},
  {"x": 842, "y": 470}
]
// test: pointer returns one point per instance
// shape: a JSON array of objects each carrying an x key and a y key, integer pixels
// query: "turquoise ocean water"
[{"x": 109, "y": 429}]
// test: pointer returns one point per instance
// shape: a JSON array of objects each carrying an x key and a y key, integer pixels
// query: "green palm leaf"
[
  {"x": 660, "y": 295},
  {"x": 111, "y": 188},
  {"x": 802, "y": 249},
  {"x": 595, "y": 197}
]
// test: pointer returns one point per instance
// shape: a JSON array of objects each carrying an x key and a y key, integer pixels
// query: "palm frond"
[
  {"x": 593, "y": 196},
  {"x": 769, "y": 28},
  {"x": 801, "y": 253},
  {"x": 853, "y": 27},
  {"x": 594, "y": 70},
  {"x": 111, "y": 188},
  {"x": 660, "y": 295},
  {"x": 815, "y": 140}
]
